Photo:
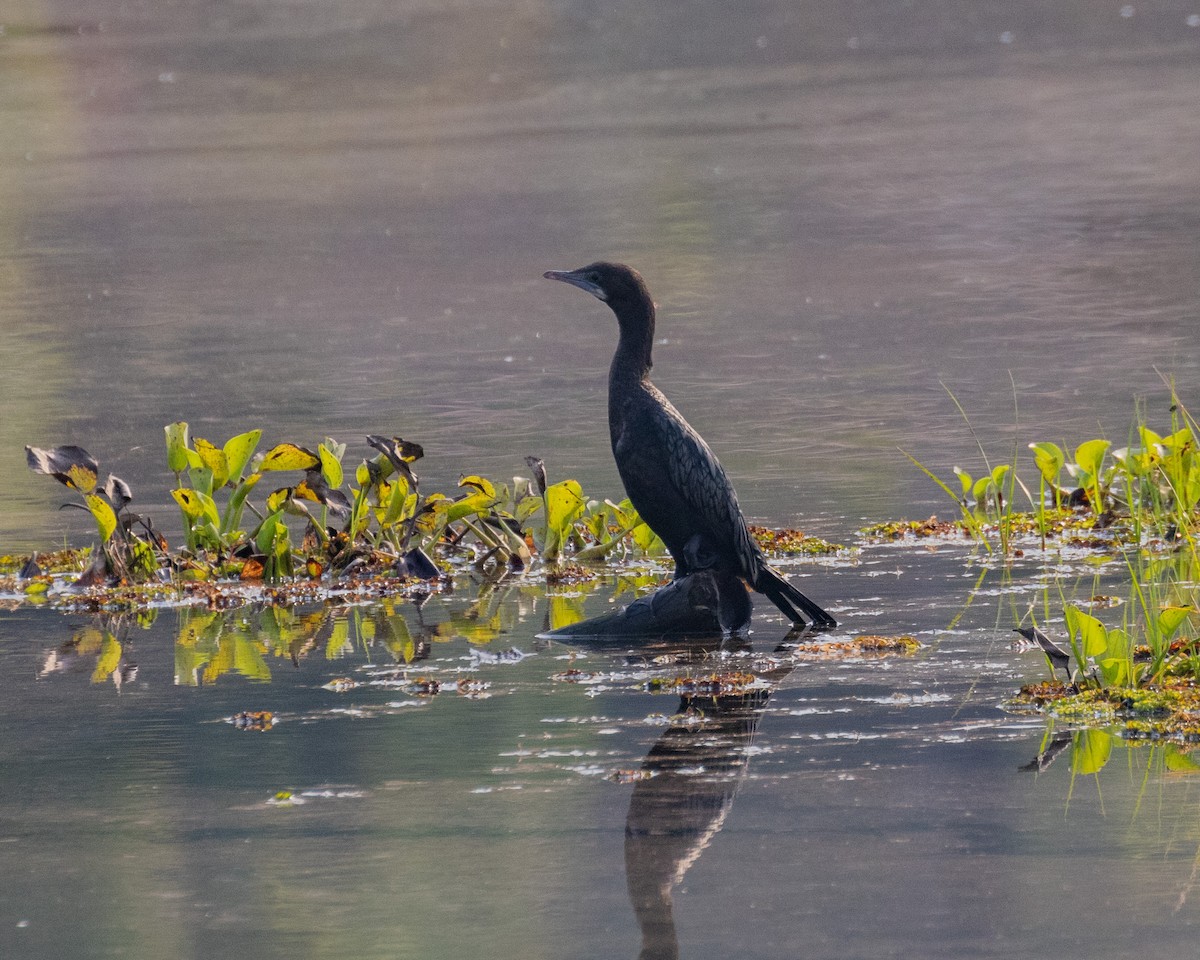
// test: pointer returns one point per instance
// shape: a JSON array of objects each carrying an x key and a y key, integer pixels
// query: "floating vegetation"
[
  {"x": 1145, "y": 713},
  {"x": 325, "y": 532},
  {"x": 726, "y": 684},
  {"x": 916, "y": 529},
  {"x": 866, "y": 645},
  {"x": 265, "y": 534},
  {"x": 793, "y": 543},
  {"x": 1145, "y": 494}
]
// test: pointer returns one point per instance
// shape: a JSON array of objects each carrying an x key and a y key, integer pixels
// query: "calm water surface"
[
  {"x": 859, "y": 808},
  {"x": 332, "y": 219}
]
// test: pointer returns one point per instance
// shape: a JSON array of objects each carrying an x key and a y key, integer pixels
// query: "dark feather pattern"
[{"x": 672, "y": 477}]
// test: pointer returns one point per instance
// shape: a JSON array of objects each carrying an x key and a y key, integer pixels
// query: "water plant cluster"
[
  {"x": 293, "y": 513},
  {"x": 1138, "y": 506}
]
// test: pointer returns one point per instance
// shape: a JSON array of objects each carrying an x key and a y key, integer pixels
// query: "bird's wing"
[{"x": 701, "y": 486}]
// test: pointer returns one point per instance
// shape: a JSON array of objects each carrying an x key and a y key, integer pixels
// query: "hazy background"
[{"x": 332, "y": 219}]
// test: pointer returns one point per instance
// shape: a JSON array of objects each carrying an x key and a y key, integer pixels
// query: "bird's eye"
[{"x": 594, "y": 278}]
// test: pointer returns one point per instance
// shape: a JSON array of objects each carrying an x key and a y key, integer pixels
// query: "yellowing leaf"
[
  {"x": 81, "y": 478},
  {"x": 288, "y": 456},
  {"x": 215, "y": 460},
  {"x": 481, "y": 484},
  {"x": 106, "y": 520},
  {"x": 564, "y": 504},
  {"x": 197, "y": 505},
  {"x": 110, "y": 659}
]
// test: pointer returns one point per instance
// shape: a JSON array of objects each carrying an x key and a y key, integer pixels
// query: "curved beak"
[{"x": 576, "y": 279}]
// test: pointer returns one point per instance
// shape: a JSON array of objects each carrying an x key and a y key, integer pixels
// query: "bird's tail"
[{"x": 787, "y": 598}]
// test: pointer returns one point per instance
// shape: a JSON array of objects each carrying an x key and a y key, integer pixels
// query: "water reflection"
[
  {"x": 692, "y": 775},
  {"x": 251, "y": 640}
]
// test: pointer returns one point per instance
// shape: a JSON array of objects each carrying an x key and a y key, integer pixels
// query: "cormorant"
[{"x": 673, "y": 479}]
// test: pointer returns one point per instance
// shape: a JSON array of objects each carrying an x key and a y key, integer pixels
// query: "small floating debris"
[
  {"x": 689, "y": 719},
  {"x": 471, "y": 687},
  {"x": 631, "y": 776},
  {"x": 258, "y": 720},
  {"x": 569, "y": 574},
  {"x": 298, "y": 798},
  {"x": 511, "y": 655},
  {"x": 574, "y": 675},
  {"x": 425, "y": 687},
  {"x": 341, "y": 684}
]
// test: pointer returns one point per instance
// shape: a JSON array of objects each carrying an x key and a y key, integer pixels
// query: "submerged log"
[{"x": 703, "y": 603}]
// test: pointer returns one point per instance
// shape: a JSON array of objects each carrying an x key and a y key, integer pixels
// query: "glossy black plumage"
[{"x": 673, "y": 479}]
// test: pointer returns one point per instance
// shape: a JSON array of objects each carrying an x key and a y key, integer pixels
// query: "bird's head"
[{"x": 616, "y": 284}]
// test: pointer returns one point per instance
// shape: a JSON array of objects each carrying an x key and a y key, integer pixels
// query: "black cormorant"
[{"x": 673, "y": 479}]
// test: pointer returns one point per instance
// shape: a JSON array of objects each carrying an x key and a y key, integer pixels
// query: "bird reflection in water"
[{"x": 691, "y": 776}]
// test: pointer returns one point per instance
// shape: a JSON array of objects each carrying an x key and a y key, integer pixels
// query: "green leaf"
[
  {"x": 106, "y": 520},
  {"x": 177, "y": 446},
  {"x": 238, "y": 451},
  {"x": 197, "y": 506},
  {"x": 979, "y": 492},
  {"x": 1090, "y": 455},
  {"x": 201, "y": 476},
  {"x": 397, "y": 500},
  {"x": 1090, "y": 751},
  {"x": 237, "y": 502},
  {"x": 1170, "y": 619},
  {"x": 527, "y": 507},
  {"x": 1049, "y": 458},
  {"x": 967, "y": 483},
  {"x": 1117, "y": 666},
  {"x": 1093, "y": 637},
  {"x": 331, "y": 463},
  {"x": 564, "y": 504},
  {"x": 471, "y": 506},
  {"x": 271, "y": 528}
]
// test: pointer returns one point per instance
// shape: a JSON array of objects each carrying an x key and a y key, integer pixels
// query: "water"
[
  {"x": 333, "y": 220},
  {"x": 859, "y": 808}
]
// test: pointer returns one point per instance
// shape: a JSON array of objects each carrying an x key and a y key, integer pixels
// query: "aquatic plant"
[
  {"x": 324, "y": 523},
  {"x": 122, "y": 551}
]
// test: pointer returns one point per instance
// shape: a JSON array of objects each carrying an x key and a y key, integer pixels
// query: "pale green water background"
[{"x": 332, "y": 219}]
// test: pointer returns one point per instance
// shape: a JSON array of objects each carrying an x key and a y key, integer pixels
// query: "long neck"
[{"x": 632, "y": 359}]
